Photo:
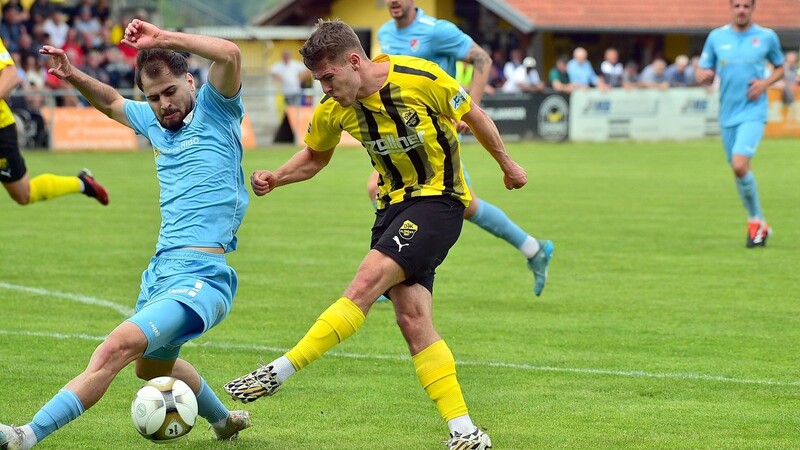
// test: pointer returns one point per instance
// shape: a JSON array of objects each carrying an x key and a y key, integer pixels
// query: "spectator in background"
[
  {"x": 290, "y": 73},
  {"x": 676, "y": 72},
  {"x": 88, "y": 27},
  {"x": 11, "y": 29},
  {"x": 611, "y": 68},
  {"x": 790, "y": 78},
  {"x": 558, "y": 77},
  {"x": 120, "y": 72},
  {"x": 691, "y": 70},
  {"x": 654, "y": 75},
  {"x": 525, "y": 78},
  {"x": 56, "y": 26},
  {"x": 514, "y": 61},
  {"x": 496, "y": 76},
  {"x": 630, "y": 75},
  {"x": 73, "y": 48},
  {"x": 581, "y": 73},
  {"x": 26, "y": 47},
  {"x": 39, "y": 11}
]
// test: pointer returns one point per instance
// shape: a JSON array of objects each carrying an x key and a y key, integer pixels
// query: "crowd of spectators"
[{"x": 519, "y": 73}]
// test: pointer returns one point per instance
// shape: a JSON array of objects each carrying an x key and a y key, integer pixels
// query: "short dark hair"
[
  {"x": 155, "y": 61},
  {"x": 331, "y": 42}
]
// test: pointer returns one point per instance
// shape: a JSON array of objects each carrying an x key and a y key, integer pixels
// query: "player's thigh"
[
  {"x": 12, "y": 164},
  {"x": 167, "y": 325},
  {"x": 748, "y": 137},
  {"x": 418, "y": 234}
]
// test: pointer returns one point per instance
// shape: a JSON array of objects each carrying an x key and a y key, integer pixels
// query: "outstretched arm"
[
  {"x": 303, "y": 165},
  {"x": 102, "y": 96},
  {"x": 487, "y": 134},
  {"x": 225, "y": 73}
]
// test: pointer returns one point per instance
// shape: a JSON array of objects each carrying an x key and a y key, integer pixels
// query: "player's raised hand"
[
  {"x": 141, "y": 35},
  {"x": 62, "y": 68},
  {"x": 514, "y": 176},
  {"x": 262, "y": 182}
]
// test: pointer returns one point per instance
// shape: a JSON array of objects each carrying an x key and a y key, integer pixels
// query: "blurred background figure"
[
  {"x": 291, "y": 74},
  {"x": 611, "y": 68},
  {"x": 525, "y": 78}
]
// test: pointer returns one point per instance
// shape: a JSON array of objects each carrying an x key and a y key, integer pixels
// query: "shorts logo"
[
  {"x": 399, "y": 244},
  {"x": 408, "y": 229},
  {"x": 411, "y": 118}
]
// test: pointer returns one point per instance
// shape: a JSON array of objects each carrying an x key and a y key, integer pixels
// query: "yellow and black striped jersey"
[
  {"x": 6, "y": 118},
  {"x": 407, "y": 129}
]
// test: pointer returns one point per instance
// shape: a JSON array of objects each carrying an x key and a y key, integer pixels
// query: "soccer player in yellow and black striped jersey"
[
  {"x": 402, "y": 110},
  {"x": 13, "y": 173}
]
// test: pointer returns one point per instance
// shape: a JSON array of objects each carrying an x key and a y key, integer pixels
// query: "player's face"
[
  {"x": 339, "y": 81},
  {"x": 170, "y": 97},
  {"x": 742, "y": 11},
  {"x": 399, "y": 9}
]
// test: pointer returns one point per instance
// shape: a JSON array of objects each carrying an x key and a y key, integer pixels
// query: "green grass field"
[{"x": 658, "y": 329}]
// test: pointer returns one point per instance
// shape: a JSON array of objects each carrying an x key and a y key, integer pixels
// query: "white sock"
[
  {"x": 462, "y": 424},
  {"x": 283, "y": 368},
  {"x": 220, "y": 424},
  {"x": 29, "y": 439},
  {"x": 529, "y": 247}
]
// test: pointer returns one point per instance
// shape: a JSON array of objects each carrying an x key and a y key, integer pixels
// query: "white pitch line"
[
  {"x": 124, "y": 310},
  {"x": 525, "y": 367}
]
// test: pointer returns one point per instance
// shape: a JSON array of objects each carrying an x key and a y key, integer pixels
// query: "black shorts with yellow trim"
[
  {"x": 12, "y": 165},
  {"x": 418, "y": 234}
]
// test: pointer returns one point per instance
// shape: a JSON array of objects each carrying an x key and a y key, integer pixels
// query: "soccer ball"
[{"x": 164, "y": 409}]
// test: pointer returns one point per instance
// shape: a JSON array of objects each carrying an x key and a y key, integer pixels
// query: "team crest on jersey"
[
  {"x": 756, "y": 42},
  {"x": 408, "y": 229},
  {"x": 411, "y": 118},
  {"x": 414, "y": 44}
]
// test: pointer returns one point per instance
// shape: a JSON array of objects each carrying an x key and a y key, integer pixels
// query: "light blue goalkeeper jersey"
[
  {"x": 203, "y": 197},
  {"x": 428, "y": 38},
  {"x": 739, "y": 58}
]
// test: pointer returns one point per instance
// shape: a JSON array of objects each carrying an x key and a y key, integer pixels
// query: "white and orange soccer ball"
[{"x": 164, "y": 409}]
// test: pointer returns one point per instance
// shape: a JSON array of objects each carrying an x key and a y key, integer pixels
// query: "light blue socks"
[
  {"x": 748, "y": 191},
  {"x": 62, "y": 409},
  {"x": 209, "y": 406},
  {"x": 496, "y": 222}
]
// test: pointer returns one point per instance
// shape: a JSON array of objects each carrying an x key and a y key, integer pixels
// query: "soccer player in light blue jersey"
[
  {"x": 411, "y": 32},
  {"x": 188, "y": 287},
  {"x": 737, "y": 53}
]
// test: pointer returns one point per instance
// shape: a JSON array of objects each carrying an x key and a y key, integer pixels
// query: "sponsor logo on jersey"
[
  {"x": 459, "y": 99},
  {"x": 393, "y": 144}
]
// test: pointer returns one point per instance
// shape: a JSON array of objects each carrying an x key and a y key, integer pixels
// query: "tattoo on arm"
[{"x": 478, "y": 58}]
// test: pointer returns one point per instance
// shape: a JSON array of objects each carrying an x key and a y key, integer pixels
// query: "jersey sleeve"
[
  {"x": 232, "y": 108},
  {"x": 446, "y": 94},
  {"x": 5, "y": 57},
  {"x": 323, "y": 132},
  {"x": 448, "y": 39},
  {"x": 708, "y": 58},
  {"x": 775, "y": 55},
  {"x": 139, "y": 115}
]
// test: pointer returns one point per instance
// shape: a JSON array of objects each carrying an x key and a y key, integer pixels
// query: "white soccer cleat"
[
  {"x": 477, "y": 440},
  {"x": 11, "y": 437},
  {"x": 237, "y": 421},
  {"x": 259, "y": 383}
]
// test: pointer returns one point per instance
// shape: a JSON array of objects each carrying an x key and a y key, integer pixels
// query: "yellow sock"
[
  {"x": 47, "y": 186},
  {"x": 436, "y": 370},
  {"x": 336, "y": 324}
]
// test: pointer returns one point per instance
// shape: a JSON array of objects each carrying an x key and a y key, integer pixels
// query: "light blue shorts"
[
  {"x": 184, "y": 293},
  {"x": 742, "y": 139}
]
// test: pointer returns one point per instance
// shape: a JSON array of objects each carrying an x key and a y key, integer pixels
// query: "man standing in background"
[{"x": 737, "y": 53}]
